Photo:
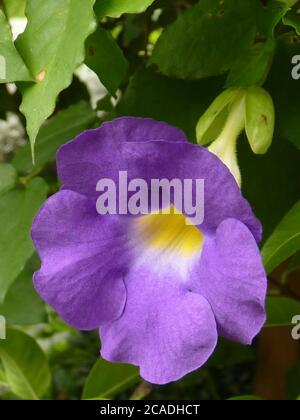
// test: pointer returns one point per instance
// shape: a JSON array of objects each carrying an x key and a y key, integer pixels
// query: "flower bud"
[
  {"x": 213, "y": 120},
  {"x": 259, "y": 119}
]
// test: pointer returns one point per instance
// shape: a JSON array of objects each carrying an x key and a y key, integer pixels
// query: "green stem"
[{"x": 25, "y": 179}]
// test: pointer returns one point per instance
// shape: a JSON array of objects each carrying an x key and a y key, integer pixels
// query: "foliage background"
[{"x": 165, "y": 59}]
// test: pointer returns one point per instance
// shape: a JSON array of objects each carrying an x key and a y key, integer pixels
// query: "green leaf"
[
  {"x": 106, "y": 59},
  {"x": 26, "y": 367},
  {"x": 260, "y": 119},
  {"x": 12, "y": 67},
  {"x": 52, "y": 47},
  {"x": 205, "y": 40},
  {"x": 15, "y": 8},
  {"x": 215, "y": 36},
  {"x": 64, "y": 126},
  {"x": 176, "y": 102},
  {"x": 281, "y": 310},
  {"x": 106, "y": 379},
  {"x": 116, "y": 8},
  {"x": 254, "y": 61},
  {"x": 8, "y": 176},
  {"x": 285, "y": 240},
  {"x": 22, "y": 305},
  {"x": 292, "y": 18},
  {"x": 3, "y": 380},
  {"x": 17, "y": 209}
]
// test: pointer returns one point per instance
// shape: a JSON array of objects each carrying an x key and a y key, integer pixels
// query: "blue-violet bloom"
[{"x": 160, "y": 291}]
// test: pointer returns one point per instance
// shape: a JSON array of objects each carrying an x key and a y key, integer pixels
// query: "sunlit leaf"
[
  {"x": 58, "y": 30},
  {"x": 12, "y": 67},
  {"x": 26, "y": 367}
]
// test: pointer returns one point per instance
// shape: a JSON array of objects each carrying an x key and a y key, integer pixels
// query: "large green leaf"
[
  {"x": 285, "y": 240},
  {"x": 22, "y": 305},
  {"x": 216, "y": 36},
  {"x": 254, "y": 61},
  {"x": 105, "y": 57},
  {"x": 108, "y": 379},
  {"x": 26, "y": 367},
  {"x": 12, "y": 67},
  {"x": 8, "y": 176},
  {"x": 64, "y": 126},
  {"x": 115, "y": 8},
  {"x": 281, "y": 310},
  {"x": 52, "y": 46},
  {"x": 176, "y": 102},
  {"x": 17, "y": 209}
]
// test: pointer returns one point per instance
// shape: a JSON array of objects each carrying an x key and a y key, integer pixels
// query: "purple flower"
[{"x": 160, "y": 291}]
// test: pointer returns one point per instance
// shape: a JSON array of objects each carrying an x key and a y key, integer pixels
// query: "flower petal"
[
  {"x": 84, "y": 258},
  {"x": 102, "y": 153},
  {"x": 232, "y": 278},
  {"x": 165, "y": 329},
  {"x": 97, "y": 154}
]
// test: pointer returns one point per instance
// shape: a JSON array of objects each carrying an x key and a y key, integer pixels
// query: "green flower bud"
[
  {"x": 259, "y": 119},
  {"x": 213, "y": 120},
  {"x": 232, "y": 112}
]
